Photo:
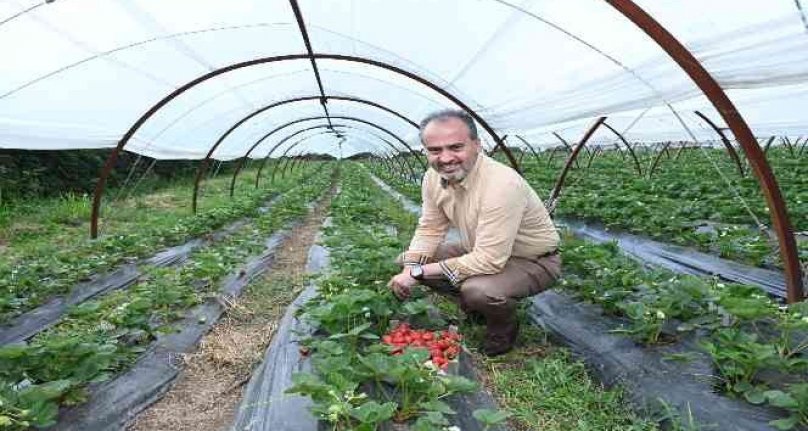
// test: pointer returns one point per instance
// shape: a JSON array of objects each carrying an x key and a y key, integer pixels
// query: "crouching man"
[{"x": 508, "y": 246}]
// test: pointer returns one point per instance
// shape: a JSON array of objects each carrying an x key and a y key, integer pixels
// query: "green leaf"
[
  {"x": 46, "y": 391},
  {"x": 490, "y": 417},
  {"x": 43, "y": 413},
  {"x": 781, "y": 399},
  {"x": 458, "y": 384},
  {"x": 377, "y": 363},
  {"x": 373, "y": 412},
  {"x": 307, "y": 384},
  {"x": 755, "y": 396},
  {"x": 432, "y": 421},
  {"x": 436, "y": 406},
  {"x": 358, "y": 330},
  {"x": 785, "y": 423}
]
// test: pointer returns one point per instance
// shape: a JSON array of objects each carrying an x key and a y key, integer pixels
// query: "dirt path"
[{"x": 207, "y": 393}]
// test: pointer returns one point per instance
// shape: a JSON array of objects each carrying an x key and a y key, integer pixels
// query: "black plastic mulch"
[
  {"x": 648, "y": 374},
  {"x": 30, "y": 323},
  {"x": 113, "y": 403}
]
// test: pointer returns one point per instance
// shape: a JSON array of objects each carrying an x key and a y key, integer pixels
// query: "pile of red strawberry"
[{"x": 443, "y": 346}]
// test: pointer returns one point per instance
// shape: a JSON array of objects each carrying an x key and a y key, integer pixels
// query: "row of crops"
[
  {"x": 757, "y": 349},
  {"x": 46, "y": 249},
  {"x": 95, "y": 340},
  {"x": 368, "y": 371},
  {"x": 686, "y": 201}
]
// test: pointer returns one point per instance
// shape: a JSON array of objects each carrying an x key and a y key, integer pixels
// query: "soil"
[{"x": 207, "y": 393}]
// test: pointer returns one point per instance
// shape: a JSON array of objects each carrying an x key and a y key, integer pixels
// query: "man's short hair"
[{"x": 446, "y": 114}]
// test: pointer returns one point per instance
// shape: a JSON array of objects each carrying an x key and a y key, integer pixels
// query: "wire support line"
[
  {"x": 23, "y": 12},
  {"x": 128, "y": 178},
  {"x": 147, "y": 21},
  {"x": 802, "y": 14},
  {"x": 142, "y": 177},
  {"x": 760, "y": 225},
  {"x": 67, "y": 36},
  {"x": 605, "y": 55},
  {"x": 103, "y": 54}
]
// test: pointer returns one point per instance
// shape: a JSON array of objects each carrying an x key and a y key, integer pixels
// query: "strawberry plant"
[
  {"x": 361, "y": 379},
  {"x": 795, "y": 401},
  {"x": 103, "y": 336},
  {"x": 36, "y": 270}
]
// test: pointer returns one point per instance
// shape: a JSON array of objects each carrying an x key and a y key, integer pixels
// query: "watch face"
[{"x": 417, "y": 272}]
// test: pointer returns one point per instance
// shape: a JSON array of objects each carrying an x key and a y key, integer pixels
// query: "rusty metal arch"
[
  {"x": 390, "y": 144},
  {"x": 267, "y": 157},
  {"x": 724, "y": 106},
  {"x": 261, "y": 168},
  {"x": 769, "y": 143},
  {"x": 661, "y": 153},
  {"x": 394, "y": 150},
  {"x": 563, "y": 141},
  {"x": 567, "y": 146},
  {"x": 552, "y": 154},
  {"x": 241, "y": 161},
  {"x": 290, "y": 161},
  {"x": 204, "y": 164},
  {"x": 628, "y": 147},
  {"x": 556, "y": 191},
  {"x": 532, "y": 151},
  {"x": 386, "y": 159},
  {"x": 787, "y": 142},
  {"x": 390, "y": 160},
  {"x": 359, "y": 120},
  {"x": 201, "y": 170},
  {"x": 596, "y": 152},
  {"x": 238, "y": 165},
  {"x": 263, "y": 109},
  {"x": 730, "y": 149},
  {"x": 389, "y": 166},
  {"x": 113, "y": 157},
  {"x": 386, "y": 164},
  {"x": 377, "y": 152}
]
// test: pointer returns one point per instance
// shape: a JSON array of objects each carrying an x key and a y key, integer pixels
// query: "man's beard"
[{"x": 452, "y": 177}]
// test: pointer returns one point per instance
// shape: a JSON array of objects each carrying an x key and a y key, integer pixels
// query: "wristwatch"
[{"x": 417, "y": 272}]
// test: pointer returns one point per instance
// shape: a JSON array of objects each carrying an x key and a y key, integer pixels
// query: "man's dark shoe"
[{"x": 499, "y": 339}]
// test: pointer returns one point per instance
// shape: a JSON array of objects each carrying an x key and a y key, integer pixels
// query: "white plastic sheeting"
[{"x": 79, "y": 73}]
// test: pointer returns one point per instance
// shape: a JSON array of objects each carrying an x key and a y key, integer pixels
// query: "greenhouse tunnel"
[{"x": 250, "y": 105}]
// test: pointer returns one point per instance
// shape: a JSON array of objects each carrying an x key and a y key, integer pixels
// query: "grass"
[
  {"x": 554, "y": 393},
  {"x": 542, "y": 385}
]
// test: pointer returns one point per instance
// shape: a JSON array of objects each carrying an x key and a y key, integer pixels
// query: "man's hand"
[{"x": 402, "y": 284}]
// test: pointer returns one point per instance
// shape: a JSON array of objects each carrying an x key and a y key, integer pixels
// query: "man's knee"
[{"x": 478, "y": 295}]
